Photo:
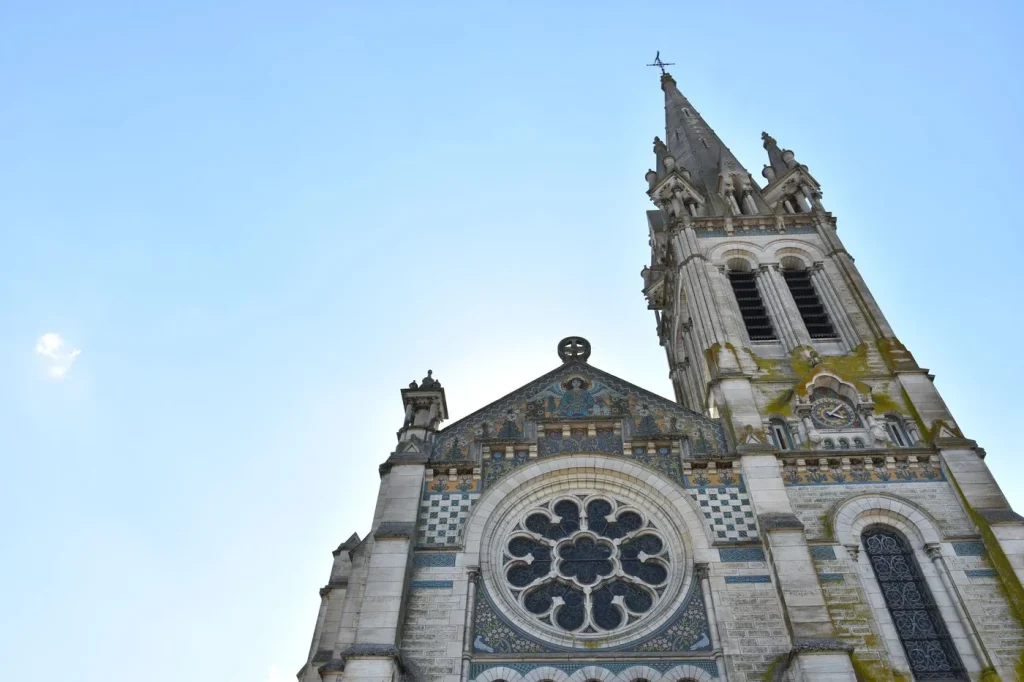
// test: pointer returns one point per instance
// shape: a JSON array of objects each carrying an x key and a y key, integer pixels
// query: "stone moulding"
[
  {"x": 389, "y": 530},
  {"x": 779, "y": 521},
  {"x": 371, "y": 651},
  {"x": 1000, "y": 515},
  {"x": 333, "y": 585}
]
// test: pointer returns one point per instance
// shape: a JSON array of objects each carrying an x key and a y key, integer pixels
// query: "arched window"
[
  {"x": 897, "y": 432},
  {"x": 929, "y": 648},
  {"x": 744, "y": 286},
  {"x": 780, "y": 434},
  {"x": 812, "y": 311}
]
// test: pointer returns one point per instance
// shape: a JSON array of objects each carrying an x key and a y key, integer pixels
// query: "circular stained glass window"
[{"x": 585, "y": 564}]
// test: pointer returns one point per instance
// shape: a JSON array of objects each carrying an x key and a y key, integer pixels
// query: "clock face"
[{"x": 832, "y": 413}]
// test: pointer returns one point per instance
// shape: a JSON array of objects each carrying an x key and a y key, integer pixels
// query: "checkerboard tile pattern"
[
  {"x": 727, "y": 510},
  {"x": 442, "y": 516}
]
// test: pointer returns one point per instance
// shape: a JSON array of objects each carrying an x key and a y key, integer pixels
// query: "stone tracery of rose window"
[{"x": 586, "y": 564}]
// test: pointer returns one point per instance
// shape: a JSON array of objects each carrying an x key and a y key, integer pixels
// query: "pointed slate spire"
[{"x": 695, "y": 145}]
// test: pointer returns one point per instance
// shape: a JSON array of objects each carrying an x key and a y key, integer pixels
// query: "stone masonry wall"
[
  {"x": 750, "y": 619},
  {"x": 813, "y": 503},
  {"x": 434, "y": 619}
]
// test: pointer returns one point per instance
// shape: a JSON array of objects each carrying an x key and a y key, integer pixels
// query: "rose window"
[{"x": 586, "y": 564}]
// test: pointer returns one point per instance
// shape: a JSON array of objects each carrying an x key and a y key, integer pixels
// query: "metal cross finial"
[{"x": 660, "y": 64}]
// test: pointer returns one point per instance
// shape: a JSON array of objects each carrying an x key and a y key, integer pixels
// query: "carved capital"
[
  {"x": 933, "y": 550},
  {"x": 853, "y": 551},
  {"x": 701, "y": 570}
]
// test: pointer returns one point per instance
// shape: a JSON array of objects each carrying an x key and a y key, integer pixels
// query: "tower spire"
[{"x": 698, "y": 149}]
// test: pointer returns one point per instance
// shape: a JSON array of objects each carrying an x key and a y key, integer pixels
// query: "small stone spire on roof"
[{"x": 779, "y": 160}]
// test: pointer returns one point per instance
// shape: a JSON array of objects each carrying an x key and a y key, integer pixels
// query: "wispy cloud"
[{"x": 57, "y": 354}]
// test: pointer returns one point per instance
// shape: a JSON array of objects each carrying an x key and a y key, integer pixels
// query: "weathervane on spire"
[{"x": 660, "y": 64}]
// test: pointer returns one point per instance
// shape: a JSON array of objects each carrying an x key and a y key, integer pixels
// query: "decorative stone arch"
[
  {"x": 698, "y": 542},
  {"x": 722, "y": 254},
  {"x": 499, "y": 673},
  {"x": 679, "y": 524},
  {"x": 594, "y": 672},
  {"x": 638, "y": 672},
  {"x": 685, "y": 673},
  {"x": 546, "y": 672},
  {"x": 826, "y": 379},
  {"x": 852, "y": 516},
  {"x": 806, "y": 253}
]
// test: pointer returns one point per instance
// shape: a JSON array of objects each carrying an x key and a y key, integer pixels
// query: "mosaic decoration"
[
  {"x": 969, "y": 548},
  {"x": 745, "y": 579},
  {"x": 685, "y": 631},
  {"x": 858, "y": 473},
  {"x": 433, "y": 560},
  {"x": 831, "y": 577},
  {"x": 726, "y": 508},
  {"x": 823, "y": 552},
  {"x": 577, "y": 391},
  {"x": 554, "y": 443},
  {"x": 614, "y": 667},
  {"x": 741, "y": 554},
  {"x": 431, "y": 584},
  {"x": 982, "y": 573},
  {"x": 929, "y": 648},
  {"x": 716, "y": 478},
  {"x": 442, "y": 515}
]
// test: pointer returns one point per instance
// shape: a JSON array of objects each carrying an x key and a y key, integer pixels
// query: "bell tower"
[
  {"x": 768, "y": 325},
  {"x": 756, "y": 297}
]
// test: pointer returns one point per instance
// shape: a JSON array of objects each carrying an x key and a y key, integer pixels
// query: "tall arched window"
[{"x": 929, "y": 648}]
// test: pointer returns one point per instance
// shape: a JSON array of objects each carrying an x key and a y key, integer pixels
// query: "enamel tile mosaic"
[
  {"x": 823, "y": 552},
  {"x": 686, "y": 631},
  {"x": 970, "y": 548},
  {"x": 577, "y": 391},
  {"x": 442, "y": 512},
  {"x": 433, "y": 559},
  {"x": 859, "y": 471},
  {"x": 724, "y": 504}
]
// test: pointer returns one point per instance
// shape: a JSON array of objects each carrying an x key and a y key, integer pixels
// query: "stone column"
[
  {"x": 784, "y": 326},
  {"x": 836, "y": 311},
  {"x": 934, "y": 552},
  {"x": 467, "y": 632},
  {"x": 788, "y": 305},
  {"x": 701, "y": 573}
]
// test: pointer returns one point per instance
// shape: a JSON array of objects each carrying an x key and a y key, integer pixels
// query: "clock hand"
[{"x": 832, "y": 412}]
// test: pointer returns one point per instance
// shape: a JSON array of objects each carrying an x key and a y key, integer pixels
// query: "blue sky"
[{"x": 258, "y": 221}]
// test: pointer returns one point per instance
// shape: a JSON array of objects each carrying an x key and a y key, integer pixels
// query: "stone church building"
[{"x": 806, "y": 508}]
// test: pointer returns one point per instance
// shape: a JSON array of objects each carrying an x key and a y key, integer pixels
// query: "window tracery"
[
  {"x": 586, "y": 564},
  {"x": 922, "y": 632}
]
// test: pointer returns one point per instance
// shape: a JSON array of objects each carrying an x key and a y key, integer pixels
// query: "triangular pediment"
[{"x": 578, "y": 395}]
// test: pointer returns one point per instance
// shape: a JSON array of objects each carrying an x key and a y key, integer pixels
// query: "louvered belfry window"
[
  {"x": 929, "y": 648},
  {"x": 755, "y": 317},
  {"x": 807, "y": 302}
]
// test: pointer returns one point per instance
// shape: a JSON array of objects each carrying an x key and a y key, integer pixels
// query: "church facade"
[{"x": 806, "y": 508}]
